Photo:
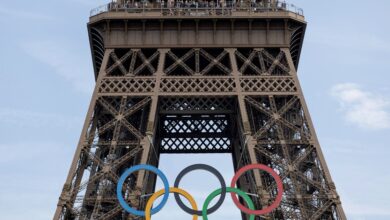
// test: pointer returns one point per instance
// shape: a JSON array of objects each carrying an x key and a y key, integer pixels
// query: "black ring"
[{"x": 211, "y": 170}]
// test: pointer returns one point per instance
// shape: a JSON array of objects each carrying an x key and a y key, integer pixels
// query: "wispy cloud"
[
  {"x": 361, "y": 107},
  {"x": 65, "y": 59},
  {"x": 23, "y": 14},
  {"x": 348, "y": 39},
  {"x": 28, "y": 151},
  {"x": 44, "y": 165},
  {"x": 364, "y": 210},
  {"x": 91, "y": 3},
  {"x": 26, "y": 118}
]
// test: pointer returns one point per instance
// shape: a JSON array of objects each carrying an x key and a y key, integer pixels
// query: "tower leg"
[{"x": 64, "y": 206}]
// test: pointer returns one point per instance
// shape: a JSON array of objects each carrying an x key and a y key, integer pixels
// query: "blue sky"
[{"x": 46, "y": 82}]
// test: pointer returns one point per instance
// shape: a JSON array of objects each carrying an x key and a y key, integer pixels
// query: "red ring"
[{"x": 279, "y": 184}]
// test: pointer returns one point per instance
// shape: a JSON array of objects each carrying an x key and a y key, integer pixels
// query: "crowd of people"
[{"x": 259, "y": 4}]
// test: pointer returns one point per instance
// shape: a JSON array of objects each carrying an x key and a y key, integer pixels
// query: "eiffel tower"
[{"x": 198, "y": 77}]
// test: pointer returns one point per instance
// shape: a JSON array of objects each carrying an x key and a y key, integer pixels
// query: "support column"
[
  {"x": 314, "y": 138},
  {"x": 147, "y": 142},
  {"x": 250, "y": 144},
  {"x": 65, "y": 198}
]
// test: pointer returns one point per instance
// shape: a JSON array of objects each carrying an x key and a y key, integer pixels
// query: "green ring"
[{"x": 209, "y": 198}]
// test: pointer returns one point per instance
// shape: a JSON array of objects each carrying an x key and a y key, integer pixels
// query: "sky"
[{"x": 46, "y": 82}]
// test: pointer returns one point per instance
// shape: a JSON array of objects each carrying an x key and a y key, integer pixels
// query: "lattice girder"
[
  {"x": 134, "y": 62},
  {"x": 197, "y": 61},
  {"x": 262, "y": 62},
  {"x": 284, "y": 142},
  {"x": 244, "y": 101},
  {"x": 195, "y": 133}
]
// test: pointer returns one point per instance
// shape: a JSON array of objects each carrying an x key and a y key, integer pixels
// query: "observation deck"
[
  {"x": 196, "y": 24},
  {"x": 197, "y": 9}
]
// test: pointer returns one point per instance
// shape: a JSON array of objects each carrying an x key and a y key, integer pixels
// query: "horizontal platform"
[
  {"x": 159, "y": 15},
  {"x": 195, "y": 9}
]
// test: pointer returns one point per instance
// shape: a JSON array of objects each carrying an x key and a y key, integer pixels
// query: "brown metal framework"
[{"x": 215, "y": 83}]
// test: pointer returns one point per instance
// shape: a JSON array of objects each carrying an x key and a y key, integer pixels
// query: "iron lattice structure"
[{"x": 198, "y": 80}]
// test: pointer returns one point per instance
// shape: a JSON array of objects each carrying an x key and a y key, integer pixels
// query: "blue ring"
[{"x": 122, "y": 179}]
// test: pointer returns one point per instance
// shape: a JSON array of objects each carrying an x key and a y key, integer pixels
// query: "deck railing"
[{"x": 197, "y": 8}]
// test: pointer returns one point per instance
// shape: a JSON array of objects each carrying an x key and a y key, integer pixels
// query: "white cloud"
[
  {"x": 363, "y": 108},
  {"x": 65, "y": 59}
]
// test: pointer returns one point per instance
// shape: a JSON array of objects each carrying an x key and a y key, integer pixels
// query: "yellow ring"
[{"x": 171, "y": 190}]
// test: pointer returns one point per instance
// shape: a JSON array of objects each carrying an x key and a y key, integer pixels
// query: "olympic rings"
[
  {"x": 171, "y": 190},
  {"x": 209, "y": 198},
  {"x": 278, "y": 183},
  {"x": 211, "y": 170},
  {"x": 122, "y": 179},
  {"x": 194, "y": 211}
]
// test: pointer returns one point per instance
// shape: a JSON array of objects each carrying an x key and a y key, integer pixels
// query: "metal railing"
[{"x": 197, "y": 8}]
